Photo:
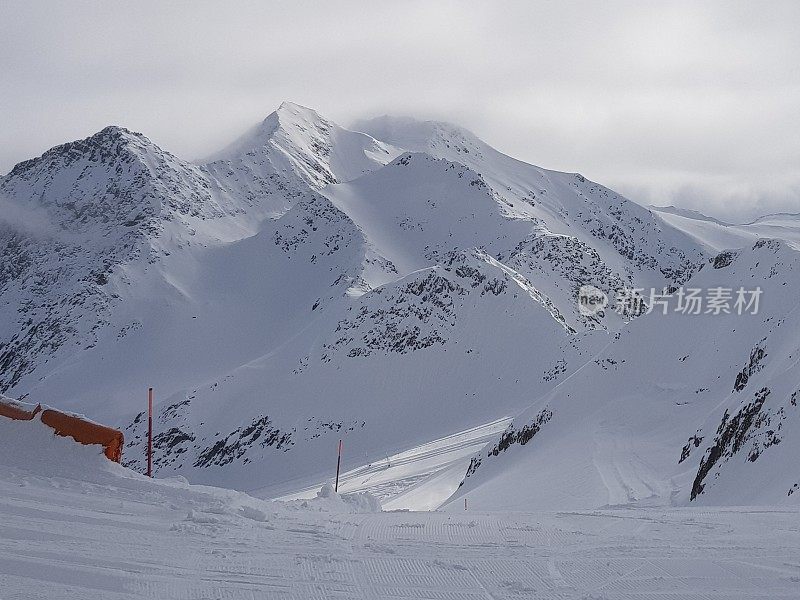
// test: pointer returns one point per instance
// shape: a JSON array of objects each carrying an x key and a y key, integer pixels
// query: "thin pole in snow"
[
  {"x": 338, "y": 465},
  {"x": 465, "y": 503},
  {"x": 149, "y": 432}
]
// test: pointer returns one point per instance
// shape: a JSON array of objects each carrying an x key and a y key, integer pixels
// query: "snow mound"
[
  {"x": 30, "y": 454},
  {"x": 33, "y": 446},
  {"x": 329, "y": 501}
]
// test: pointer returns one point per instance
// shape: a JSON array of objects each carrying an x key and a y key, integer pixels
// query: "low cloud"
[
  {"x": 32, "y": 221},
  {"x": 731, "y": 199}
]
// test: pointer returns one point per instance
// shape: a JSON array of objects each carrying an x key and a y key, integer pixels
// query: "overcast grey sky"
[{"x": 696, "y": 103}]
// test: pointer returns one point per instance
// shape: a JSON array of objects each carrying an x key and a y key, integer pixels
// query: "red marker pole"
[
  {"x": 149, "y": 432},
  {"x": 338, "y": 465}
]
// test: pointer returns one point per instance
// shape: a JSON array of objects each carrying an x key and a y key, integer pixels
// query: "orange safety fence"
[
  {"x": 85, "y": 432},
  {"x": 17, "y": 410},
  {"x": 67, "y": 425}
]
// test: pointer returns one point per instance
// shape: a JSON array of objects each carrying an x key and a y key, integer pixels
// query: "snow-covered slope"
[
  {"x": 101, "y": 203},
  {"x": 436, "y": 351},
  {"x": 678, "y": 408},
  {"x": 128, "y": 237},
  {"x": 579, "y": 231}
]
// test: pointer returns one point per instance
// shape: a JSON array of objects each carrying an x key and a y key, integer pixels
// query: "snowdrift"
[
  {"x": 78, "y": 428},
  {"x": 29, "y": 449}
]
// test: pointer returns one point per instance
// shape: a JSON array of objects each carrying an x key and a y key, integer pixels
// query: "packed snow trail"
[
  {"x": 67, "y": 539},
  {"x": 419, "y": 478},
  {"x": 73, "y": 525}
]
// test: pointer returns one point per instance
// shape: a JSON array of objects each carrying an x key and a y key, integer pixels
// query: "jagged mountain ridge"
[{"x": 304, "y": 266}]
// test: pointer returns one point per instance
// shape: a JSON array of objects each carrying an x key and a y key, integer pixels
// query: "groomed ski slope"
[
  {"x": 73, "y": 525},
  {"x": 418, "y": 478}
]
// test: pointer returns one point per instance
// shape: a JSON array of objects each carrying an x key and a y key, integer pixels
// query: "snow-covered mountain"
[{"x": 390, "y": 285}]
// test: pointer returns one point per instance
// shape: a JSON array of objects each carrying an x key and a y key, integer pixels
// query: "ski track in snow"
[
  {"x": 626, "y": 476},
  {"x": 63, "y": 538}
]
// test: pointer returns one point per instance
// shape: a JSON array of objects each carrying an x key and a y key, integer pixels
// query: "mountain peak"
[
  {"x": 288, "y": 121},
  {"x": 294, "y": 119},
  {"x": 294, "y": 112},
  {"x": 109, "y": 142},
  {"x": 117, "y": 131},
  {"x": 298, "y": 125},
  {"x": 297, "y": 142}
]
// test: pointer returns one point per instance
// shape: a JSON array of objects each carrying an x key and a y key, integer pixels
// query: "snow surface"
[{"x": 74, "y": 525}]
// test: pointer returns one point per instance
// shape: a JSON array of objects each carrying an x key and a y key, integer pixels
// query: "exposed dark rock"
[
  {"x": 694, "y": 442},
  {"x": 234, "y": 445},
  {"x": 724, "y": 259},
  {"x": 512, "y": 436},
  {"x": 731, "y": 435},
  {"x": 753, "y": 366}
]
